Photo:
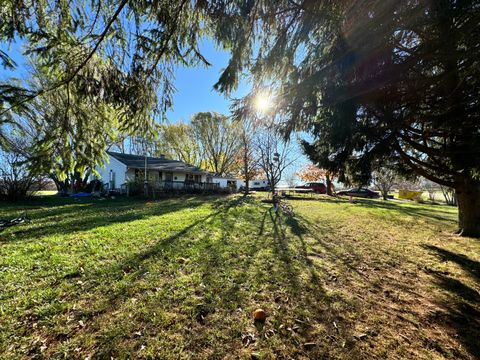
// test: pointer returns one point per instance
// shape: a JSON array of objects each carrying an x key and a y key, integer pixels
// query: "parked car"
[
  {"x": 360, "y": 192},
  {"x": 317, "y": 187}
]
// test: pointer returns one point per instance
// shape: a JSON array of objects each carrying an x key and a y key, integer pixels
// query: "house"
[
  {"x": 231, "y": 182},
  {"x": 120, "y": 169},
  {"x": 227, "y": 182},
  {"x": 257, "y": 184}
]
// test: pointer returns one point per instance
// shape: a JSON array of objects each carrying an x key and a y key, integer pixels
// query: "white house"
[
  {"x": 259, "y": 184},
  {"x": 227, "y": 182},
  {"x": 119, "y": 169},
  {"x": 232, "y": 182}
]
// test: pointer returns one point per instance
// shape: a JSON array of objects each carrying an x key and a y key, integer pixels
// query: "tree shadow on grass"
[
  {"x": 322, "y": 199},
  {"x": 378, "y": 286},
  {"x": 234, "y": 275},
  {"x": 220, "y": 287},
  {"x": 281, "y": 249},
  {"x": 414, "y": 210},
  {"x": 67, "y": 216},
  {"x": 202, "y": 272},
  {"x": 336, "y": 249},
  {"x": 326, "y": 308},
  {"x": 472, "y": 267},
  {"x": 115, "y": 284},
  {"x": 462, "y": 302}
]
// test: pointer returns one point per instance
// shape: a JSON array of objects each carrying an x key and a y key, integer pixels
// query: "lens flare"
[{"x": 263, "y": 102}]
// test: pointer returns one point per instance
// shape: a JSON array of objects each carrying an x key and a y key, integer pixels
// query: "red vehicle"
[{"x": 317, "y": 187}]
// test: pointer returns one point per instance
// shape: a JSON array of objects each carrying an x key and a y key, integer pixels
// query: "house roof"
[{"x": 154, "y": 163}]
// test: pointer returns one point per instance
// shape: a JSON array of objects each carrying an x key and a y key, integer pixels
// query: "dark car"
[
  {"x": 360, "y": 192},
  {"x": 317, "y": 187}
]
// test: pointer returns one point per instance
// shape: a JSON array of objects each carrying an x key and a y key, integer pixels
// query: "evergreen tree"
[{"x": 379, "y": 82}]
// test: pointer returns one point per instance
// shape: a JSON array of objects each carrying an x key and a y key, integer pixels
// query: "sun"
[{"x": 263, "y": 102}]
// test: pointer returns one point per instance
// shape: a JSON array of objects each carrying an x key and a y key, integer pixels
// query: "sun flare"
[{"x": 263, "y": 102}]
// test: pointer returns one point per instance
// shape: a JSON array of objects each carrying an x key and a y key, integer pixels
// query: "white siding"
[
  {"x": 180, "y": 176},
  {"x": 130, "y": 175},
  {"x": 117, "y": 169},
  {"x": 253, "y": 184},
  {"x": 123, "y": 174},
  {"x": 223, "y": 182},
  {"x": 220, "y": 181}
]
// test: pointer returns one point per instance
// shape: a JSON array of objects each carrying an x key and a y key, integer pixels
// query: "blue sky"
[
  {"x": 195, "y": 93},
  {"x": 194, "y": 87}
]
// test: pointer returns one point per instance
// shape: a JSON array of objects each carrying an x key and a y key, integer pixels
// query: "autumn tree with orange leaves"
[{"x": 311, "y": 172}]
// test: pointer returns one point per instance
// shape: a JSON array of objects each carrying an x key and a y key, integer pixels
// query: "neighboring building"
[
  {"x": 256, "y": 184},
  {"x": 234, "y": 183},
  {"x": 227, "y": 182},
  {"x": 120, "y": 169}
]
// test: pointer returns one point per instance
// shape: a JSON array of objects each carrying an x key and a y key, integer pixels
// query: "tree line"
[
  {"x": 376, "y": 83},
  {"x": 214, "y": 142}
]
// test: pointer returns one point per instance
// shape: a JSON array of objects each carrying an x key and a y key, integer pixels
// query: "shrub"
[
  {"x": 135, "y": 187},
  {"x": 16, "y": 180}
]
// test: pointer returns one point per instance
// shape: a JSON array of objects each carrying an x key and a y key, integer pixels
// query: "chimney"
[{"x": 162, "y": 156}]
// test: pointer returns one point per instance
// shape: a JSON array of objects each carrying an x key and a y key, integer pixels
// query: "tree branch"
[
  {"x": 419, "y": 170},
  {"x": 78, "y": 69}
]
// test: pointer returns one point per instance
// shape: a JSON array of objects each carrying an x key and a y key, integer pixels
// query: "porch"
[{"x": 162, "y": 187}]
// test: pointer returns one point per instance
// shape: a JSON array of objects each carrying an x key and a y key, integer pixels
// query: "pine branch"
[{"x": 78, "y": 69}]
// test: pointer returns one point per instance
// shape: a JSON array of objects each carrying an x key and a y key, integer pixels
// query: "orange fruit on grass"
[{"x": 259, "y": 315}]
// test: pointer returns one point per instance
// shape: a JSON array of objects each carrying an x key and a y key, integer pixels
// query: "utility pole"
[
  {"x": 145, "y": 153},
  {"x": 145, "y": 182}
]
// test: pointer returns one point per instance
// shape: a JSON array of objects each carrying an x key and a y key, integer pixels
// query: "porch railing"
[
  {"x": 183, "y": 186},
  {"x": 159, "y": 188}
]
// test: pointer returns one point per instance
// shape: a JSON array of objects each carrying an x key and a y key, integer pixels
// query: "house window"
[{"x": 168, "y": 176}]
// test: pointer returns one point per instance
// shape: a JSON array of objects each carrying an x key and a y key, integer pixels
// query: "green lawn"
[{"x": 180, "y": 278}]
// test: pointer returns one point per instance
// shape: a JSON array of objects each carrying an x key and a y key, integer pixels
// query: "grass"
[{"x": 180, "y": 278}]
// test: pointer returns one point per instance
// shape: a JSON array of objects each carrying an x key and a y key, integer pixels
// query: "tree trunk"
[
  {"x": 329, "y": 185},
  {"x": 384, "y": 192},
  {"x": 62, "y": 186},
  {"x": 468, "y": 199}
]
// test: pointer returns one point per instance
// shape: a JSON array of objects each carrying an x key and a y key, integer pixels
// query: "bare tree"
[
  {"x": 219, "y": 141},
  {"x": 449, "y": 195},
  {"x": 16, "y": 179},
  {"x": 431, "y": 188},
  {"x": 384, "y": 179},
  {"x": 274, "y": 155},
  {"x": 291, "y": 180},
  {"x": 248, "y": 162}
]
